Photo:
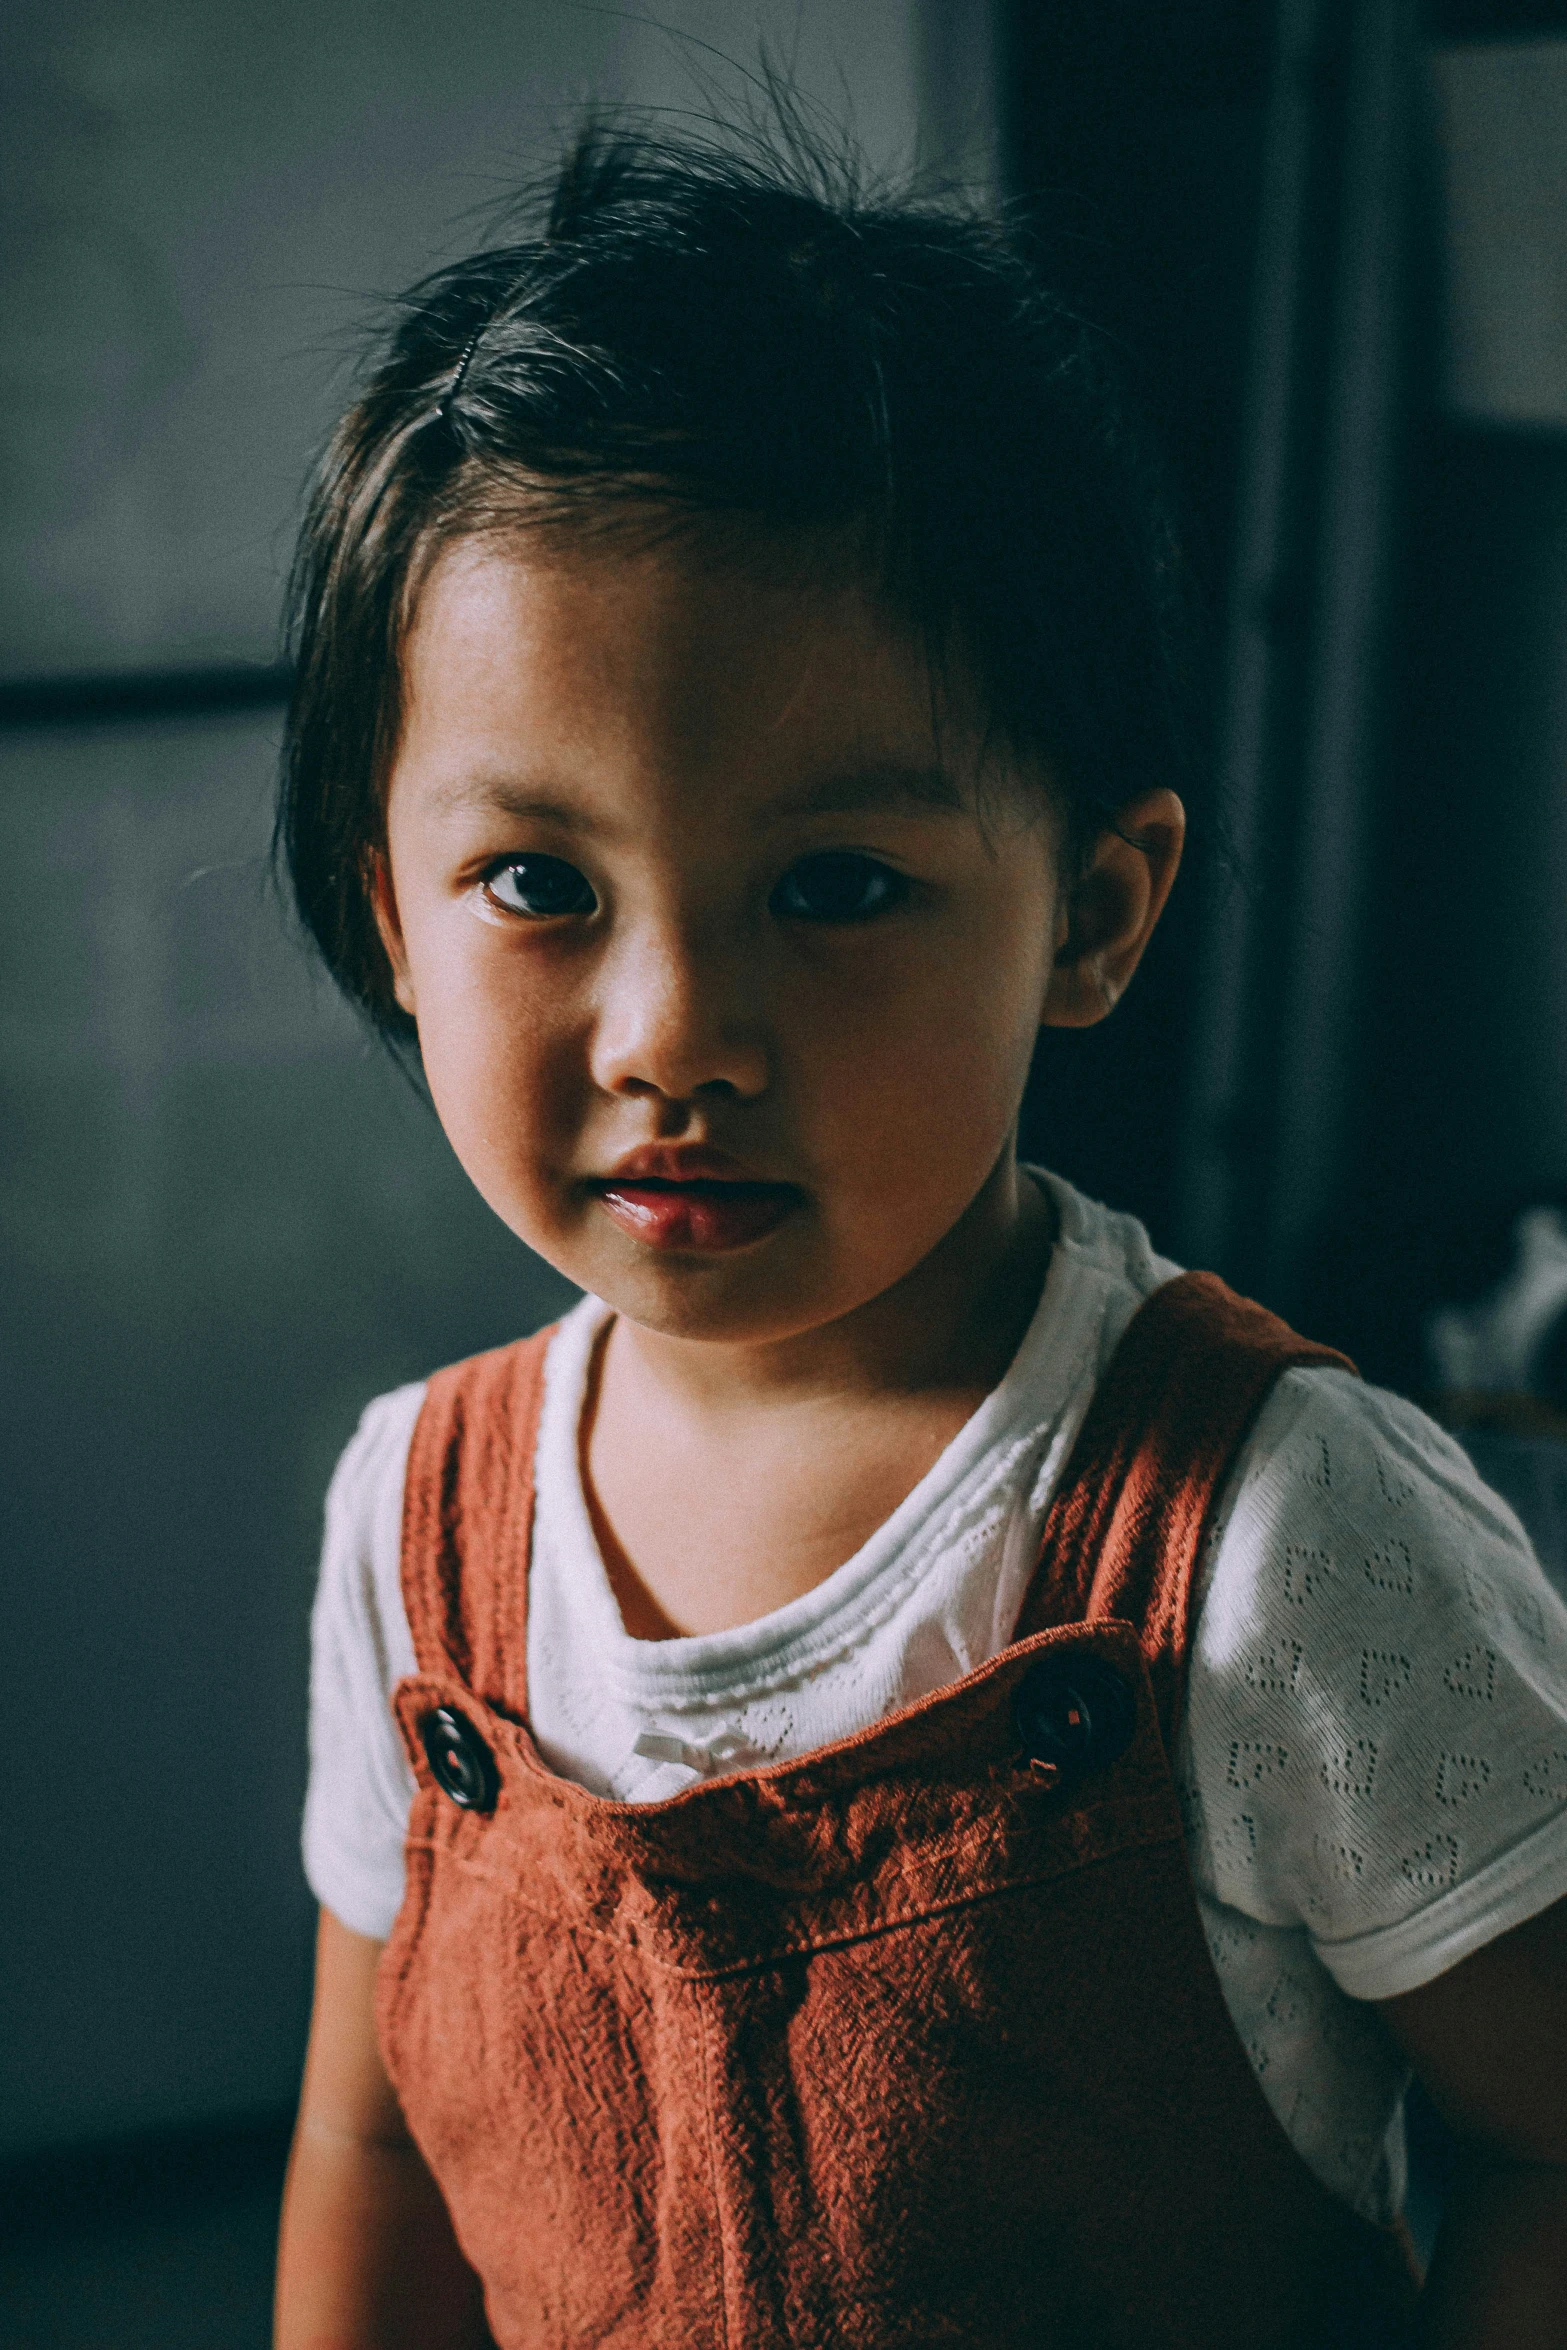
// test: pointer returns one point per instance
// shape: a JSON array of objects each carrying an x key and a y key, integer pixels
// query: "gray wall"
[
  {"x": 223, "y": 1229},
  {"x": 1499, "y": 116},
  {"x": 202, "y": 201},
  {"x": 224, "y": 1223}
]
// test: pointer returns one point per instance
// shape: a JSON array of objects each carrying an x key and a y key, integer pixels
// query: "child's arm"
[
  {"x": 367, "y": 2259},
  {"x": 1489, "y": 2040}
]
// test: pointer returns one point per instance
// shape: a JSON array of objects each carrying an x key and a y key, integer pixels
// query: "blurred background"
[{"x": 1332, "y": 240}]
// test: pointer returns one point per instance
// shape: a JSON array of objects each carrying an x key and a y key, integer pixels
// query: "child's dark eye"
[
  {"x": 838, "y": 886},
  {"x": 541, "y": 886}
]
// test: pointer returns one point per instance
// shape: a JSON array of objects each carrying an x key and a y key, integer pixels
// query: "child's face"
[{"x": 680, "y": 862}]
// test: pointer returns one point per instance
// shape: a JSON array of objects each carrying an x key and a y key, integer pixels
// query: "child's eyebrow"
[
  {"x": 457, "y": 797},
  {"x": 887, "y": 784}
]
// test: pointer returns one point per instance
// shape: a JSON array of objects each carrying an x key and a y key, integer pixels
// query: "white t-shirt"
[{"x": 1373, "y": 1762}]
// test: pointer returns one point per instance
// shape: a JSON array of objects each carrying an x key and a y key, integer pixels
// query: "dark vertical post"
[
  {"x": 1134, "y": 138},
  {"x": 1303, "y": 674}
]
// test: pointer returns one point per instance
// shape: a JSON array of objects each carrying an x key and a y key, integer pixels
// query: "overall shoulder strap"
[
  {"x": 468, "y": 1520},
  {"x": 1125, "y": 1532}
]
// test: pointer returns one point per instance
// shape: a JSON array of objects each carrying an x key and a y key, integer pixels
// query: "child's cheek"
[
  {"x": 909, "y": 1097},
  {"x": 506, "y": 1078}
]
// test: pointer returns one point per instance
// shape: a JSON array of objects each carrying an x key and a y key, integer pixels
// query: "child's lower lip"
[{"x": 704, "y": 1216}]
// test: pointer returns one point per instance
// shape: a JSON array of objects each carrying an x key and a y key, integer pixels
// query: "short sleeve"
[
  {"x": 360, "y": 1786},
  {"x": 1375, "y": 1745}
]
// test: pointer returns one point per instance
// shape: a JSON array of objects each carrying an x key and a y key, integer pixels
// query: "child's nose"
[{"x": 679, "y": 1014}]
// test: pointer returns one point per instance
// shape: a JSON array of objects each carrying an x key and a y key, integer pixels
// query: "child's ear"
[
  {"x": 1108, "y": 911},
  {"x": 383, "y": 905}
]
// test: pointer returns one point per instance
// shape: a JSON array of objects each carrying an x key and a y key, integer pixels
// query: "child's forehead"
[
  {"x": 714, "y": 632},
  {"x": 686, "y": 578}
]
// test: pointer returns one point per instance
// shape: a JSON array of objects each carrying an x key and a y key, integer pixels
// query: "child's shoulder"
[
  {"x": 364, "y": 1499},
  {"x": 375, "y": 1456},
  {"x": 1378, "y": 1691},
  {"x": 1355, "y": 1529},
  {"x": 1371, "y": 1477}
]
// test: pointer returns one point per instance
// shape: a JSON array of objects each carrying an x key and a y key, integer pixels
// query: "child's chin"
[{"x": 750, "y": 1297}]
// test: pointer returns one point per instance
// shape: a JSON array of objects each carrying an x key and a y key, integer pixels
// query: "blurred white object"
[{"x": 1493, "y": 1347}]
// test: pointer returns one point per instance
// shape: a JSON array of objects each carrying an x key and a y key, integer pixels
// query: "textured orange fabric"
[{"x": 898, "y": 2043}]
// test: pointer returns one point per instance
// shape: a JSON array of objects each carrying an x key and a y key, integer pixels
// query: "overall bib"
[{"x": 913, "y": 2040}]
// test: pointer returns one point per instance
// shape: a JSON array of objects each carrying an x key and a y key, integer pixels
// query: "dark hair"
[{"x": 735, "y": 334}]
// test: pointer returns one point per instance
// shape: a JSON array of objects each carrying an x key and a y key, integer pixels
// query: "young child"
[{"x": 908, "y": 1775}]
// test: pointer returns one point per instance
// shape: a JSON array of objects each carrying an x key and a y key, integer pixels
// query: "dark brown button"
[
  {"x": 1074, "y": 1713},
  {"x": 463, "y": 1765}
]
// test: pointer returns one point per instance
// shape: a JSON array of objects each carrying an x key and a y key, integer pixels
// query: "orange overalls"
[{"x": 913, "y": 2040}]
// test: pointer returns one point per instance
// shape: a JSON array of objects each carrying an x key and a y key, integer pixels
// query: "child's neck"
[{"x": 724, "y": 1480}]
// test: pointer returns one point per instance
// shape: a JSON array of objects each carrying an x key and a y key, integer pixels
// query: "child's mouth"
[{"x": 704, "y": 1215}]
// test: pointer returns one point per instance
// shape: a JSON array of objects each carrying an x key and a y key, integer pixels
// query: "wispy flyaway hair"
[{"x": 737, "y": 338}]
